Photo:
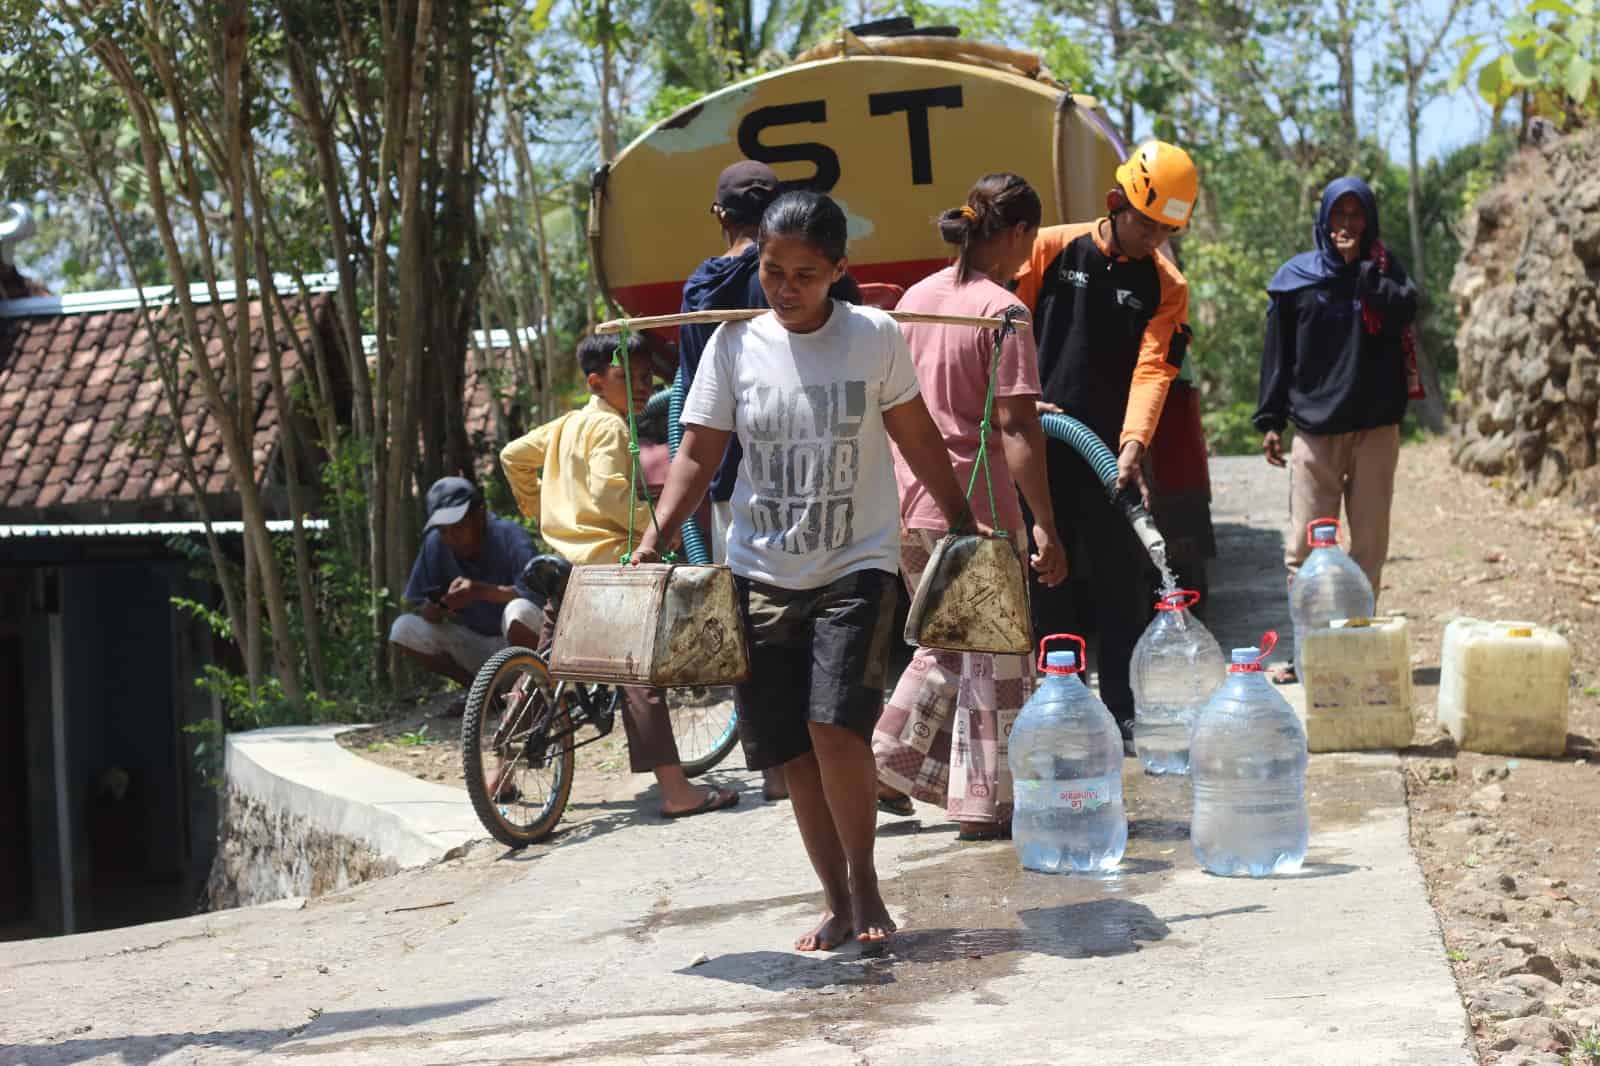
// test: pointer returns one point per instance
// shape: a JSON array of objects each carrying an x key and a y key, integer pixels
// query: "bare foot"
[
  {"x": 873, "y": 924},
  {"x": 833, "y": 930}
]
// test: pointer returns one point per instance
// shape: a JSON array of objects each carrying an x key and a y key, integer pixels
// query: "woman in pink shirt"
[{"x": 942, "y": 736}]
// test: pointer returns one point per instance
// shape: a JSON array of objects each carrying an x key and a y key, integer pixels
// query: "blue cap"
[
  {"x": 449, "y": 500},
  {"x": 1065, "y": 660},
  {"x": 1246, "y": 655}
]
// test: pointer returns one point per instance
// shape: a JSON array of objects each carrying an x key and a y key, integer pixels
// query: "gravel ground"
[{"x": 1510, "y": 847}]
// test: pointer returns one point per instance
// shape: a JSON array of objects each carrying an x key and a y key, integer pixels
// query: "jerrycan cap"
[
  {"x": 1251, "y": 660},
  {"x": 1323, "y": 533},
  {"x": 1062, "y": 663}
]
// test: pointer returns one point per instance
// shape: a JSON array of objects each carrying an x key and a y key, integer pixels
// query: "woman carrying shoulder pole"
[{"x": 942, "y": 736}]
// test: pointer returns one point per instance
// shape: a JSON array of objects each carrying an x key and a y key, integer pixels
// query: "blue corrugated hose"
[
  {"x": 660, "y": 400},
  {"x": 694, "y": 544},
  {"x": 1083, "y": 440}
]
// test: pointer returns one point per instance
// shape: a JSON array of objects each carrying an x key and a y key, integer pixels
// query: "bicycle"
[{"x": 528, "y": 725}]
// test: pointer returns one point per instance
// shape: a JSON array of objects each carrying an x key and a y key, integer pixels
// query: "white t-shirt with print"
[{"x": 816, "y": 496}]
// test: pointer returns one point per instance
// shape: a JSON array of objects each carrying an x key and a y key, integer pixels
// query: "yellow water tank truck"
[{"x": 895, "y": 124}]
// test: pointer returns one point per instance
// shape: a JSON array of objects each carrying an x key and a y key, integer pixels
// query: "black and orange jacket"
[{"x": 1112, "y": 331}]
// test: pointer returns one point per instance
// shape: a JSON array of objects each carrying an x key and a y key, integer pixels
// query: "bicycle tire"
[
  {"x": 492, "y": 680},
  {"x": 705, "y": 725}
]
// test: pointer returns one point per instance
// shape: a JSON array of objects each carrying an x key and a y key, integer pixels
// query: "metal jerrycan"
[
  {"x": 973, "y": 595},
  {"x": 662, "y": 625}
]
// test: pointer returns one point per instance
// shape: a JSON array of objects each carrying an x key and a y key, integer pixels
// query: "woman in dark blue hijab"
[{"x": 1339, "y": 362}]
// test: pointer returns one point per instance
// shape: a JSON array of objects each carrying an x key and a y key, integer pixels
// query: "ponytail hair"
[{"x": 996, "y": 203}]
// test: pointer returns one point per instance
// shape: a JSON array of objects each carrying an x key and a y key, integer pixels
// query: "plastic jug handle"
[
  {"x": 1083, "y": 650},
  {"x": 1181, "y": 600},
  {"x": 1269, "y": 640},
  {"x": 1311, "y": 526}
]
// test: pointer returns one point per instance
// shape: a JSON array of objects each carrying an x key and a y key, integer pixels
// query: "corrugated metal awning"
[
  {"x": 78, "y": 303},
  {"x": 75, "y": 530}
]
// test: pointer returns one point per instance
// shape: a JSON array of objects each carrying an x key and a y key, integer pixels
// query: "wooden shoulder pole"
[{"x": 687, "y": 318}]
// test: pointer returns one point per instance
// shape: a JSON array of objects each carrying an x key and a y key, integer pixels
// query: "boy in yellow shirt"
[{"x": 572, "y": 475}]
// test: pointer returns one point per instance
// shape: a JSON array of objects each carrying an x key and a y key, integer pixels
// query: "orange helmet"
[{"x": 1160, "y": 181}]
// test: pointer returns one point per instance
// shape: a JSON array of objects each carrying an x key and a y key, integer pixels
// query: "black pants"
[{"x": 1105, "y": 559}]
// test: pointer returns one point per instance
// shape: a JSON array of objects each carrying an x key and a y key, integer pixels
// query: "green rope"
[
  {"x": 635, "y": 468},
  {"x": 1007, "y": 327}
]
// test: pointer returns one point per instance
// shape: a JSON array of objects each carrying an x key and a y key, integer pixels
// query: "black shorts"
[{"x": 816, "y": 655}]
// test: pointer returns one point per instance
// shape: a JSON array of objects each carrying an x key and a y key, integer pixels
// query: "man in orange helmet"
[{"x": 1110, "y": 314}]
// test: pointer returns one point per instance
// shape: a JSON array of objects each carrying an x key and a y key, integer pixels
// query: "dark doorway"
[
  {"x": 125, "y": 771},
  {"x": 16, "y": 865}
]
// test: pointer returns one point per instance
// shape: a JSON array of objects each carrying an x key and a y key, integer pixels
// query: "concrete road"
[{"x": 628, "y": 938}]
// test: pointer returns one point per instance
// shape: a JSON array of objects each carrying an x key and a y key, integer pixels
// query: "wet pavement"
[{"x": 627, "y": 938}]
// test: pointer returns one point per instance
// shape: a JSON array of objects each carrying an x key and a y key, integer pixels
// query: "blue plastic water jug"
[
  {"x": 1066, "y": 766},
  {"x": 1248, "y": 759},
  {"x": 1329, "y": 585}
]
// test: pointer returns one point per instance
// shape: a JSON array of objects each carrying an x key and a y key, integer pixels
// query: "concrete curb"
[{"x": 302, "y": 771}]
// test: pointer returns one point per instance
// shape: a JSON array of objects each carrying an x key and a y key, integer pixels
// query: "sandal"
[
  {"x": 717, "y": 799},
  {"x": 897, "y": 804},
  {"x": 1282, "y": 674}
]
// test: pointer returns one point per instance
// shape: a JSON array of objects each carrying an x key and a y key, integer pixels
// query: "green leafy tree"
[{"x": 1547, "y": 57}]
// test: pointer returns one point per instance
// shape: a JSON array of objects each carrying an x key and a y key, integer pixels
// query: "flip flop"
[
  {"x": 1282, "y": 674},
  {"x": 718, "y": 799},
  {"x": 900, "y": 806}
]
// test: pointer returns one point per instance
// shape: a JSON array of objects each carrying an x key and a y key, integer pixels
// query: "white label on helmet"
[{"x": 1176, "y": 209}]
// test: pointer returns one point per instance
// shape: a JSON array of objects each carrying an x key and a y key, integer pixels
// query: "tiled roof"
[
  {"x": 477, "y": 406},
  {"x": 84, "y": 427}
]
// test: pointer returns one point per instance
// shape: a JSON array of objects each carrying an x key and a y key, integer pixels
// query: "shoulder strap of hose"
[{"x": 1007, "y": 327}]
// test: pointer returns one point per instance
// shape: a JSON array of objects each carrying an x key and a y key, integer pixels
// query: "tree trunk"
[
  {"x": 413, "y": 295},
  {"x": 608, "y": 123},
  {"x": 155, "y": 151},
  {"x": 545, "y": 320},
  {"x": 456, "y": 256},
  {"x": 1349, "y": 137},
  {"x": 250, "y": 647},
  {"x": 166, "y": 358},
  {"x": 306, "y": 83},
  {"x": 288, "y": 442},
  {"x": 579, "y": 226},
  {"x": 1430, "y": 409}
]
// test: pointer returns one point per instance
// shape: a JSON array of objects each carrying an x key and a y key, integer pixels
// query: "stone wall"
[
  {"x": 303, "y": 816},
  {"x": 267, "y": 853},
  {"x": 1529, "y": 344}
]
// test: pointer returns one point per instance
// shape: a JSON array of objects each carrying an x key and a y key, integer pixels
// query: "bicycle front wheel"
[
  {"x": 516, "y": 748},
  {"x": 705, "y": 725}
]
